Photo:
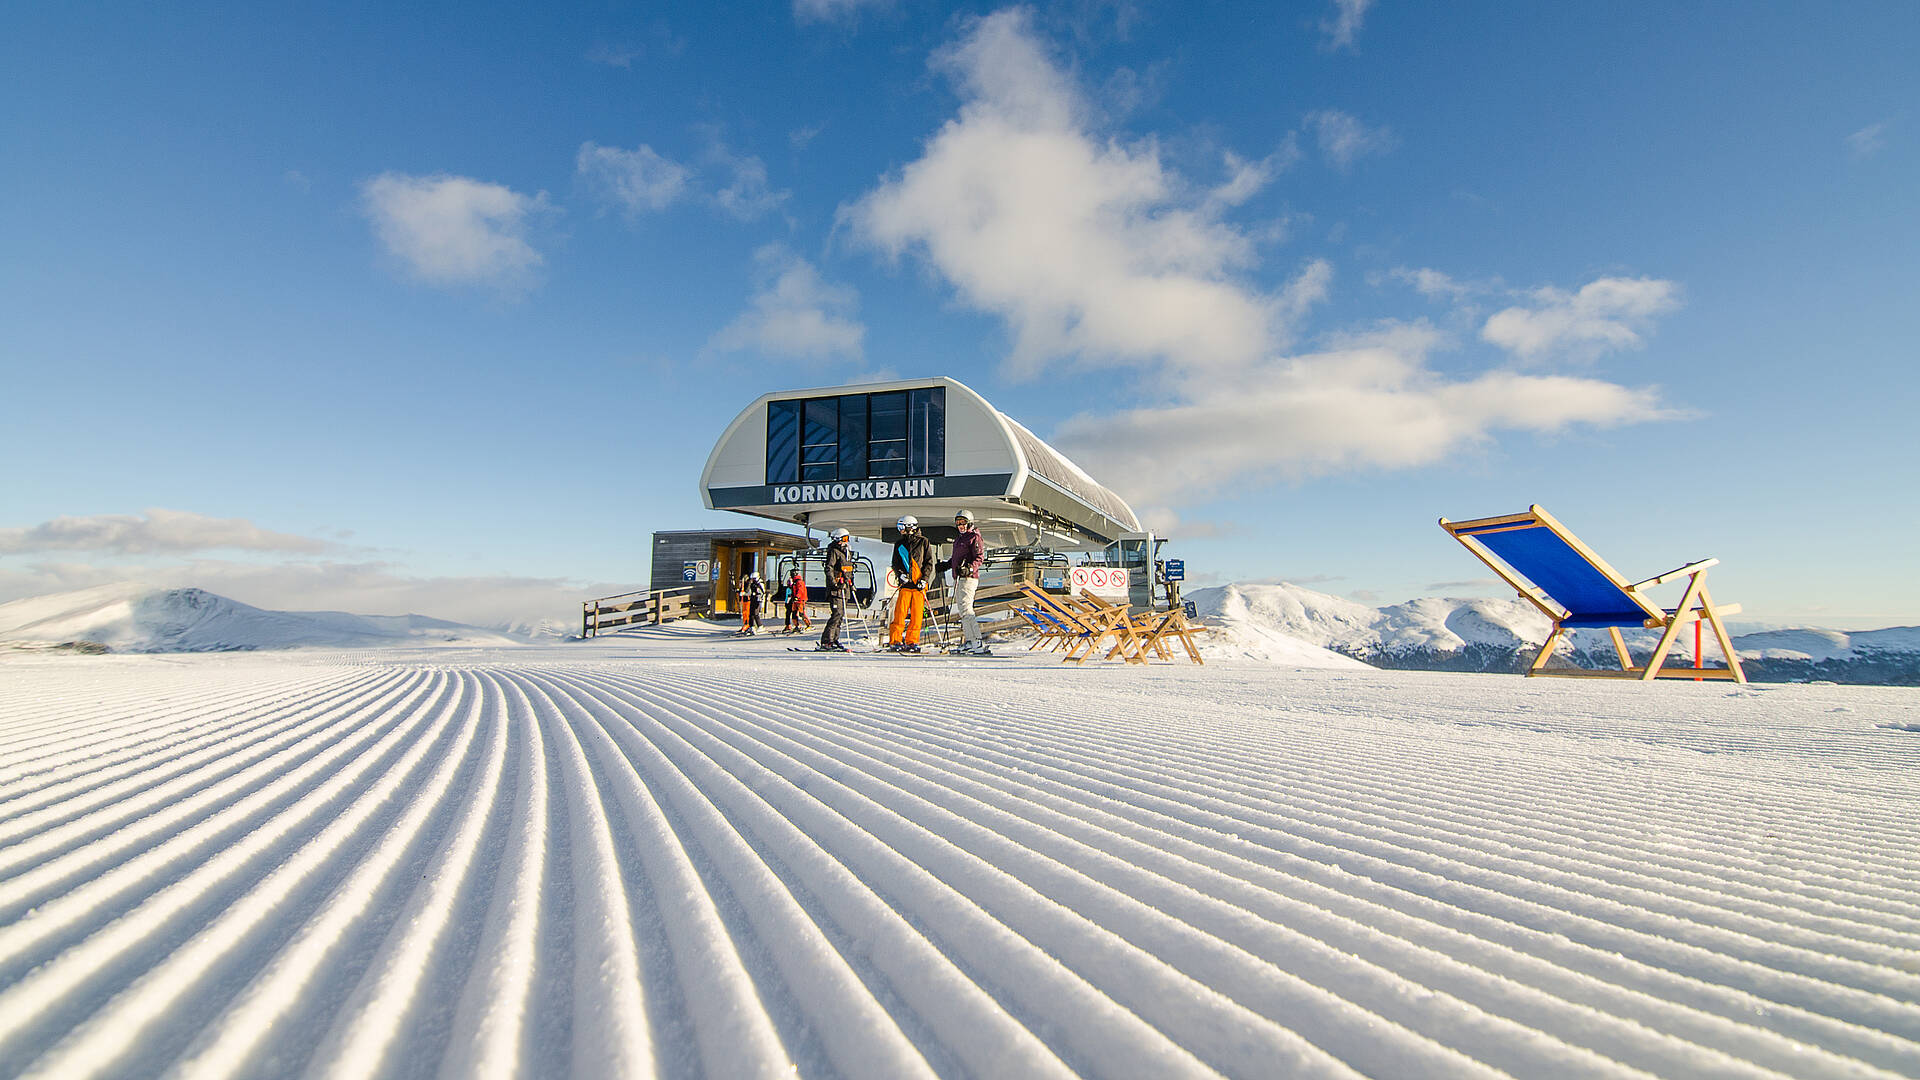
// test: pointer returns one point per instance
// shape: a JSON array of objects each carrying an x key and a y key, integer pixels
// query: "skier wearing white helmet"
[
  {"x": 839, "y": 589},
  {"x": 969, "y": 554},
  {"x": 912, "y": 567}
]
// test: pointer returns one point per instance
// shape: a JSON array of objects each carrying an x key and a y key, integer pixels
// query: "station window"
[
  {"x": 858, "y": 436},
  {"x": 820, "y": 439},
  {"x": 783, "y": 442}
]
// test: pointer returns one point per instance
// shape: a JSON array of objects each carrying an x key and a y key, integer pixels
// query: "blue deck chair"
[
  {"x": 1050, "y": 630},
  {"x": 1575, "y": 587}
]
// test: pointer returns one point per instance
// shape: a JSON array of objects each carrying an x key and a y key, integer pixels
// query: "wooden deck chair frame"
[
  {"x": 1052, "y": 629},
  {"x": 1114, "y": 619},
  {"x": 1696, "y": 603},
  {"x": 1152, "y": 628},
  {"x": 1048, "y": 631},
  {"x": 1093, "y": 625},
  {"x": 1157, "y": 626},
  {"x": 1135, "y": 634}
]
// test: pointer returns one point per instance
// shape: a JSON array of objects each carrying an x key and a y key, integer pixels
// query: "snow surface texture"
[
  {"x": 681, "y": 853},
  {"x": 141, "y": 618}
]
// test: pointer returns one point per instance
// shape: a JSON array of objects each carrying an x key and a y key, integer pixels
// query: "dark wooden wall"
[{"x": 670, "y": 556}]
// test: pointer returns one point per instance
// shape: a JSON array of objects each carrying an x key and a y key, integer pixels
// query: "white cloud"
[
  {"x": 1605, "y": 315},
  {"x": 1094, "y": 253},
  {"x": 657, "y": 42},
  {"x": 643, "y": 180},
  {"x": 1088, "y": 248},
  {"x": 453, "y": 230},
  {"x": 1345, "y": 24},
  {"x": 155, "y": 531},
  {"x": 1245, "y": 178},
  {"x": 636, "y": 180},
  {"x": 832, "y": 10},
  {"x": 1371, "y": 402},
  {"x": 1868, "y": 141},
  {"x": 1435, "y": 285},
  {"x": 747, "y": 193},
  {"x": 795, "y": 312},
  {"x": 1344, "y": 139}
]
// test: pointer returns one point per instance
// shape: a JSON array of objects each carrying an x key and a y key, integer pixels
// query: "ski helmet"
[
  {"x": 963, "y": 515},
  {"x": 908, "y": 522},
  {"x": 841, "y": 534}
]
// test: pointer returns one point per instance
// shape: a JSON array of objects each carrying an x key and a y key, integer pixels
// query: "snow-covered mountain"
[
  {"x": 1449, "y": 634},
  {"x": 138, "y": 618},
  {"x": 1259, "y": 635}
]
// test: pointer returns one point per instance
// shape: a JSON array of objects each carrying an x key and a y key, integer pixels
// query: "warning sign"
[{"x": 1106, "y": 582}]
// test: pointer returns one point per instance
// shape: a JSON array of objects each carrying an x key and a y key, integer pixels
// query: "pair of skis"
[{"x": 931, "y": 654}]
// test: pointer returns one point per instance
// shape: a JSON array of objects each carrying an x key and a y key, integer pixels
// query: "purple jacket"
[{"x": 969, "y": 552}]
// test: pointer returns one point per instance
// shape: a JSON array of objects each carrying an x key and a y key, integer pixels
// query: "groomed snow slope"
[{"x": 680, "y": 853}]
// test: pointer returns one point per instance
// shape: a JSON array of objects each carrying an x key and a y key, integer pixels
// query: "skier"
[
  {"x": 797, "y": 619},
  {"x": 753, "y": 593},
  {"x": 969, "y": 554},
  {"x": 839, "y": 589},
  {"x": 912, "y": 567}
]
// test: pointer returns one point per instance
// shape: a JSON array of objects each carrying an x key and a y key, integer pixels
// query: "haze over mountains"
[{"x": 1280, "y": 624}]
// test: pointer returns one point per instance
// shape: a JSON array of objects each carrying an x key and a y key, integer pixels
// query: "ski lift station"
[{"x": 860, "y": 457}]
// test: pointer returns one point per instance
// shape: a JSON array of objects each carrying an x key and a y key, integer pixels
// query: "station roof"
[{"x": 859, "y": 457}]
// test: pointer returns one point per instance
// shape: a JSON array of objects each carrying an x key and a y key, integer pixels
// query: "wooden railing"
[{"x": 634, "y": 608}]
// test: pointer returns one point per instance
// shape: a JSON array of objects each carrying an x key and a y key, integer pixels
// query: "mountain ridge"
[
  {"x": 1480, "y": 634},
  {"x": 135, "y": 618}
]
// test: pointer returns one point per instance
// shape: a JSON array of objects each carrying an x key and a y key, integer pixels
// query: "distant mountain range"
[
  {"x": 1279, "y": 624},
  {"x": 144, "y": 619},
  {"x": 1434, "y": 634}
]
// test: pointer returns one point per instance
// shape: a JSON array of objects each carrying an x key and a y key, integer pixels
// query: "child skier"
[{"x": 797, "y": 619}]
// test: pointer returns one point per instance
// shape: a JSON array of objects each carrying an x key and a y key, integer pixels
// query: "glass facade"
[
  {"x": 820, "y": 439},
  {"x": 895, "y": 433},
  {"x": 783, "y": 442}
]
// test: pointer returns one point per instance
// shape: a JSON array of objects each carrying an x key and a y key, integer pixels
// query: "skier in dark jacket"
[
  {"x": 753, "y": 595},
  {"x": 839, "y": 589},
  {"x": 913, "y": 569}
]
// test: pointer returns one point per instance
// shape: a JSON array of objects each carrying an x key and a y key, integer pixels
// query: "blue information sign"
[{"x": 1176, "y": 570}]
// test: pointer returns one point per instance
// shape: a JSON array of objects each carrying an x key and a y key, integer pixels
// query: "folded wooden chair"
[
  {"x": 1126, "y": 628},
  {"x": 1158, "y": 626},
  {"x": 1091, "y": 625},
  {"x": 1048, "y": 631},
  {"x": 1574, "y": 586}
]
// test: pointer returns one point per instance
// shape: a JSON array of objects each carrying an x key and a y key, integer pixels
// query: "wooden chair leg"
[
  {"x": 1620, "y": 647},
  {"x": 1720, "y": 635},
  {"x": 1540, "y": 662},
  {"x": 1694, "y": 584}
]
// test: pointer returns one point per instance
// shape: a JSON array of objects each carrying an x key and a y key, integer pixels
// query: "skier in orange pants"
[{"x": 912, "y": 567}]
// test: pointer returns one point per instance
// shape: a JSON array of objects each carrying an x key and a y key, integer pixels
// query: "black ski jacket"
[
  {"x": 840, "y": 571},
  {"x": 913, "y": 561}
]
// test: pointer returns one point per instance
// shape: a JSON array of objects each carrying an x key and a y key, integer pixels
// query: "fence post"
[{"x": 586, "y": 618}]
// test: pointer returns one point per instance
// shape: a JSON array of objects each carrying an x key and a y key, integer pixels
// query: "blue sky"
[{"x": 440, "y": 308}]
